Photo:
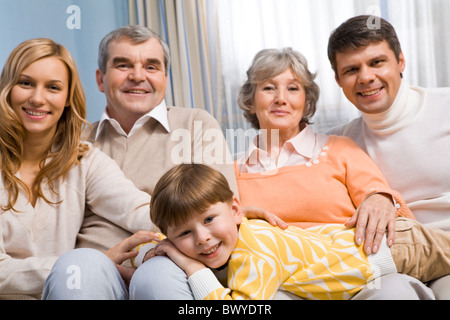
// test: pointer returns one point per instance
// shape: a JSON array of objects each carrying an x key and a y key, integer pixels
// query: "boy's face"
[{"x": 209, "y": 237}]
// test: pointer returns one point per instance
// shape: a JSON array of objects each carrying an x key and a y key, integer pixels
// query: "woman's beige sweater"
[{"x": 32, "y": 239}]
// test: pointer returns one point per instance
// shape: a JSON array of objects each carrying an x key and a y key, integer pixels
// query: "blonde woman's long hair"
[{"x": 66, "y": 148}]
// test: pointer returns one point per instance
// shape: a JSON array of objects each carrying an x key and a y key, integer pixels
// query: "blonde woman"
[{"x": 48, "y": 173}]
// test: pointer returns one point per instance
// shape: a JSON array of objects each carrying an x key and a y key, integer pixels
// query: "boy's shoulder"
[
  {"x": 255, "y": 233},
  {"x": 256, "y": 240},
  {"x": 255, "y": 224}
]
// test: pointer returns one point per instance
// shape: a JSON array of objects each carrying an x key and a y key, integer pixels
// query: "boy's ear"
[{"x": 237, "y": 210}]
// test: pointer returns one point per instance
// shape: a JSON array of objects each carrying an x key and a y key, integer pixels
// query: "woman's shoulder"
[
  {"x": 88, "y": 152},
  {"x": 93, "y": 161},
  {"x": 342, "y": 149}
]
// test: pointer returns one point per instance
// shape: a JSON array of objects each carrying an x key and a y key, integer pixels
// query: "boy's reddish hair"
[{"x": 185, "y": 190}]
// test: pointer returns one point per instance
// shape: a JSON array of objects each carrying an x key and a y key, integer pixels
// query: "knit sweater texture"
[
  {"x": 327, "y": 189},
  {"x": 32, "y": 238},
  {"x": 410, "y": 143},
  {"x": 194, "y": 137},
  {"x": 317, "y": 263}
]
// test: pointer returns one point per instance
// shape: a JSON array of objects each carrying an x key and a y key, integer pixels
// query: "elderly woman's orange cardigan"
[{"x": 326, "y": 190}]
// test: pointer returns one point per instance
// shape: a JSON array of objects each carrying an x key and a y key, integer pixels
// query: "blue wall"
[{"x": 80, "y": 30}]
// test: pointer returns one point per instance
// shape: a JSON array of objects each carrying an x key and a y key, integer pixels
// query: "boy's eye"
[
  {"x": 184, "y": 233},
  {"x": 209, "y": 219}
]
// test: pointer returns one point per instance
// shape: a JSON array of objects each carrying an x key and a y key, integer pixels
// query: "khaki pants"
[{"x": 420, "y": 251}]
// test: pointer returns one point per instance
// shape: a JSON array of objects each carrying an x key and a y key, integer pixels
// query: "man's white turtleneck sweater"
[{"x": 410, "y": 142}]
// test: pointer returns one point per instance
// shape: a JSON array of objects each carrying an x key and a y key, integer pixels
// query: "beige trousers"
[{"x": 421, "y": 252}]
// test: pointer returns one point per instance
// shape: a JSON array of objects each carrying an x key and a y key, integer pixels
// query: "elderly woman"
[{"x": 303, "y": 177}]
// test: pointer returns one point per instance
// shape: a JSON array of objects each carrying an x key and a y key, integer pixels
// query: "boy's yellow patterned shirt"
[{"x": 322, "y": 262}]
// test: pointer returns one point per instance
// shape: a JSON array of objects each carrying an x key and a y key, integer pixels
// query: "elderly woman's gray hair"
[{"x": 269, "y": 63}]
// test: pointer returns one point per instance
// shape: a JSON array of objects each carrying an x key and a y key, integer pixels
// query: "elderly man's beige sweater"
[{"x": 195, "y": 136}]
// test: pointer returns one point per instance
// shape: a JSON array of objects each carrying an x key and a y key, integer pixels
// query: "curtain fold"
[{"x": 424, "y": 30}]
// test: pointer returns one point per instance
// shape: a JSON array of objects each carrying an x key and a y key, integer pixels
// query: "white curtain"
[
  {"x": 214, "y": 41},
  {"x": 424, "y": 31}
]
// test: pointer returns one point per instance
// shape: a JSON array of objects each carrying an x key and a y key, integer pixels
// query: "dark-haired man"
[{"x": 405, "y": 129}]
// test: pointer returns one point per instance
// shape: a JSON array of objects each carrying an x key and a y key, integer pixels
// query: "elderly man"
[
  {"x": 138, "y": 130},
  {"x": 146, "y": 138}
]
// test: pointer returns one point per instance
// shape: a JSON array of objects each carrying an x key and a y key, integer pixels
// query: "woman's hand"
[
  {"x": 258, "y": 213},
  {"x": 123, "y": 251},
  {"x": 376, "y": 214}
]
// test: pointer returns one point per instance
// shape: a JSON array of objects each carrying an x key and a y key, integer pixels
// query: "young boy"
[{"x": 194, "y": 207}]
